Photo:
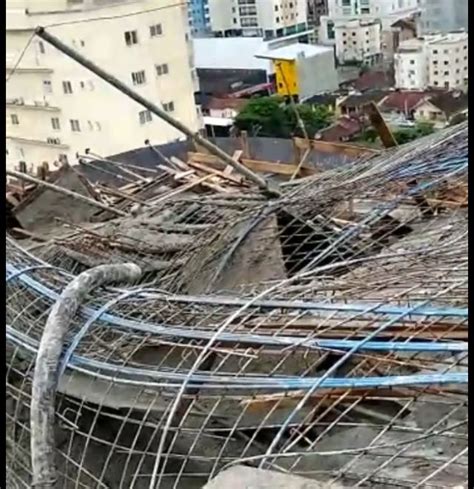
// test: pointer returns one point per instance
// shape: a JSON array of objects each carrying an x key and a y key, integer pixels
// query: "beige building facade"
[{"x": 56, "y": 109}]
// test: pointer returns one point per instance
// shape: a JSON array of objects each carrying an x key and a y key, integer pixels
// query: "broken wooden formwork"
[{"x": 323, "y": 333}]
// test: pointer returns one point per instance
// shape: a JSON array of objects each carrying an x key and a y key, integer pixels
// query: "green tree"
[
  {"x": 264, "y": 116},
  {"x": 271, "y": 116},
  {"x": 314, "y": 118},
  {"x": 407, "y": 135}
]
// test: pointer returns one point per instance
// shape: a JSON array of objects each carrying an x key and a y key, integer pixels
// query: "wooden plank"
[
  {"x": 255, "y": 165},
  {"x": 350, "y": 150},
  {"x": 200, "y": 166}
]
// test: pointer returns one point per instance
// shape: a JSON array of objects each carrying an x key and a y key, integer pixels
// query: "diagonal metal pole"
[{"x": 261, "y": 182}]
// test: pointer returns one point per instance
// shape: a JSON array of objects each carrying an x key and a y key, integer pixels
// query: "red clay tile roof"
[
  {"x": 372, "y": 80},
  {"x": 403, "y": 101},
  {"x": 450, "y": 103},
  {"x": 345, "y": 127}
]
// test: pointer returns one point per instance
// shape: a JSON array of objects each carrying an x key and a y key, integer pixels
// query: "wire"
[
  {"x": 18, "y": 61},
  {"x": 112, "y": 17},
  {"x": 94, "y": 19}
]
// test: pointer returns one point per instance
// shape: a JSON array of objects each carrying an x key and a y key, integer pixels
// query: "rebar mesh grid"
[{"x": 323, "y": 333}]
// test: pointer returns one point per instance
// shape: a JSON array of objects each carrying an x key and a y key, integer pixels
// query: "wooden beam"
[
  {"x": 350, "y": 150},
  {"x": 255, "y": 165},
  {"x": 377, "y": 121}
]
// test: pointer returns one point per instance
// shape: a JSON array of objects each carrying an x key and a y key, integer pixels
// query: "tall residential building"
[
  {"x": 358, "y": 40},
  {"x": 342, "y": 11},
  {"x": 268, "y": 18},
  {"x": 55, "y": 107},
  {"x": 199, "y": 17},
  {"x": 435, "y": 61},
  {"x": 443, "y": 16}
]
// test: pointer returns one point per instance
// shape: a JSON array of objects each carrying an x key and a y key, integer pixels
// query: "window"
[
  {"x": 156, "y": 30},
  {"x": 276, "y": 8},
  {"x": 144, "y": 116},
  {"x": 82, "y": 84},
  {"x": 354, "y": 43},
  {"x": 277, "y": 20},
  {"x": 353, "y": 33},
  {"x": 435, "y": 51},
  {"x": 249, "y": 22},
  {"x": 53, "y": 140},
  {"x": 98, "y": 126},
  {"x": 344, "y": 34},
  {"x": 83, "y": 43},
  {"x": 446, "y": 73},
  {"x": 435, "y": 72},
  {"x": 138, "y": 78},
  {"x": 435, "y": 83},
  {"x": 412, "y": 61},
  {"x": 91, "y": 126},
  {"x": 162, "y": 69},
  {"x": 252, "y": 10},
  {"x": 131, "y": 38},
  {"x": 446, "y": 84},
  {"x": 435, "y": 62},
  {"x": 14, "y": 119},
  {"x": 456, "y": 60},
  {"x": 75, "y": 126},
  {"x": 458, "y": 71},
  {"x": 344, "y": 42},
  {"x": 169, "y": 107},
  {"x": 446, "y": 63},
  {"x": 41, "y": 47},
  {"x": 47, "y": 86},
  {"x": 446, "y": 51},
  {"x": 55, "y": 123},
  {"x": 67, "y": 87}
]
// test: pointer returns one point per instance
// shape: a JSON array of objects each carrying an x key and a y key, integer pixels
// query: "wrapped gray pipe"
[{"x": 45, "y": 379}]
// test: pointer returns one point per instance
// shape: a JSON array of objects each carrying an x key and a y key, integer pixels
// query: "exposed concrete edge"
[{"x": 242, "y": 477}]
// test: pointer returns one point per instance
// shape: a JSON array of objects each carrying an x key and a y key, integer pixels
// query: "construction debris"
[{"x": 322, "y": 333}]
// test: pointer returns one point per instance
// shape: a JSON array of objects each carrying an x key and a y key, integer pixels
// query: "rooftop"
[
  {"x": 294, "y": 51},
  {"x": 230, "y": 53},
  {"x": 451, "y": 102}
]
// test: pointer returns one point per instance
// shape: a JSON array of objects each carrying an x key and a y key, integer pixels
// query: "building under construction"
[{"x": 167, "y": 329}]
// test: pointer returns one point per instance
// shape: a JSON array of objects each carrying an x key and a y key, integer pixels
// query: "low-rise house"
[
  {"x": 400, "y": 106},
  {"x": 223, "y": 107},
  {"x": 344, "y": 129},
  {"x": 354, "y": 103},
  {"x": 440, "y": 109}
]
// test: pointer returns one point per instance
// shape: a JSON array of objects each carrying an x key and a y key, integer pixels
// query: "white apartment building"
[
  {"x": 437, "y": 61},
  {"x": 358, "y": 40},
  {"x": 342, "y": 11},
  {"x": 263, "y": 18},
  {"x": 448, "y": 60},
  {"x": 56, "y": 108},
  {"x": 411, "y": 65},
  {"x": 442, "y": 16}
]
